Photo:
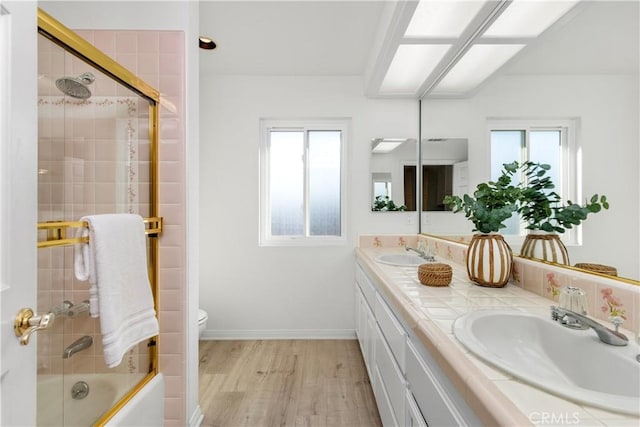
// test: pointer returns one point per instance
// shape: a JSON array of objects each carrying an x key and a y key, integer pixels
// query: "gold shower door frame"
[{"x": 50, "y": 28}]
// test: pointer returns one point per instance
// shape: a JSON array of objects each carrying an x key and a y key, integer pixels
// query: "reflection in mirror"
[
  {"x": 392, "y": 187},
  {"x": 585, "y": 69},
  {"x": 444, "y": 171}
]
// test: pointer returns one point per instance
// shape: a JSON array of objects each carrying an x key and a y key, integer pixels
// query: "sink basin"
[
  {"x": 401, "y": 260},
  {"x": 572, "y": 364}
]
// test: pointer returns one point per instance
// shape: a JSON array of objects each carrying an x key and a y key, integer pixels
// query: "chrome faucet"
[
  {"x": 421, "y": 253},
  {"x": 571, "y": 319},
  {"x": 78, "y": 345},
  {"x": 67, "y": 308},
  {"x": 77, "y": 309},
  {"x": 62, "y": 309}
]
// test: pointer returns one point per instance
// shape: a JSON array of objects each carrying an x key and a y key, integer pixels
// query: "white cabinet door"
[
  {"x": 387, "y": 416},
  {"x": 365, "y": 330},
  {"x": 370, "y": 339},
  {"x": 359, "y": 315}
]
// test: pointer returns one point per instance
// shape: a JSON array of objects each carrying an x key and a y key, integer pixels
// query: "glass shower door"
[{"x": 93, "y": 157}]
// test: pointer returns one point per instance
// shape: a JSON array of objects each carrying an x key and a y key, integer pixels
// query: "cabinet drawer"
[
  {"x": 432, "y": 399},
  {"x": 392, "y": 378},
  {"x": 392, "y": 330},
  {"x": 414, "y": 417},
  {"x": 382, "y": 399},
  {"x": 368, "y": 290}
]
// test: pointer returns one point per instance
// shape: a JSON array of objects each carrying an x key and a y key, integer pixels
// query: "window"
[
  {"x": 302, "y": 182},
  {"x": 382, "y": 184},
  {"x": 541, "y": 141}
]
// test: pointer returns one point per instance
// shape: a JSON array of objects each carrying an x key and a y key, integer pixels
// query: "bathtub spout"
[{"x": 78, "y": 345}]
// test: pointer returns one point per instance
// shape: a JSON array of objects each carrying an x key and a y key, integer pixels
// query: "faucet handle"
[
  {"x": 566, "y": 318},
  {"x": 79, "y": 308},
  {"x": 62, "y": 309},
  {"x": 617, "y": 321}
]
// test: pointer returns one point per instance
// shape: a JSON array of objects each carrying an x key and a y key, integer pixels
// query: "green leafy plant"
[
  {"x": 491, "y": 204},
  {"x": 540, "y": 207},
  {"x": 384, "y": 203}
]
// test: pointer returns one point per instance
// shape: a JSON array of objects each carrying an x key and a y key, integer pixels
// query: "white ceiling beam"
[
  {"x": 485, "y": 17},
  {"x": 393, "y": 23}
]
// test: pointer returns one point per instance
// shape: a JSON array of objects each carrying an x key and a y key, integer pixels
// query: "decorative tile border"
[
  {"x": 387, "y": 241},
  {"x": 607, "y": 297}
]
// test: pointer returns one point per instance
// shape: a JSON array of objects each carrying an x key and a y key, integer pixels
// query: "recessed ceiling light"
[{"x": 206, "y": 43}]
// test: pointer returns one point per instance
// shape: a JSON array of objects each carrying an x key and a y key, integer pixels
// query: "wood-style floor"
[{"x": 285, "y": 383}]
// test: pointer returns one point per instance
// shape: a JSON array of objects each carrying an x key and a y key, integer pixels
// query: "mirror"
[
  {"x": 583, "y": 69},
  {"x": 394, "y": 173},
  {"x": 393, "y": 180},
  {"x": 444, "y": 171}
]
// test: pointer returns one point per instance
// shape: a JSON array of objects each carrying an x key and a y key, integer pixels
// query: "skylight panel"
[
  {"x": 441, "y": 18},
  {"x": 410, "y": 67},
  {"x": 527, "y": 18},
  {"x": 476, "y": 65}
]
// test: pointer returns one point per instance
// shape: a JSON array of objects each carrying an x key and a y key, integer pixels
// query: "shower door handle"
[{"x": 27, "y": 322}]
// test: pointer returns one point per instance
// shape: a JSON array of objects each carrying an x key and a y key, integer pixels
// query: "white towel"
[{"x": 115, "y": 263}]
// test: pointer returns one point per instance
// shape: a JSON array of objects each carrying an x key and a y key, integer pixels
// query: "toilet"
[{"x": 202, "y": 321}]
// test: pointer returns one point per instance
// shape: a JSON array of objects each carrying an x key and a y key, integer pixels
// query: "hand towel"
[{"x": 115, "y": 263}]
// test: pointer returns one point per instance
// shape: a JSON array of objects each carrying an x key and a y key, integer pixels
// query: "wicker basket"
[
  {"x": 598, "y": 268},
  {"x": 435, "y": 274}
]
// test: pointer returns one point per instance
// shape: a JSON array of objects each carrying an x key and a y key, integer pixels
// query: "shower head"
[{"x": 76, "y": 87}]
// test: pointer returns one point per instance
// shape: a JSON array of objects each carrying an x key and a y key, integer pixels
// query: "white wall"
[
  {"x": 270, "y": 291},
  {"x": 607, "y": 109}
]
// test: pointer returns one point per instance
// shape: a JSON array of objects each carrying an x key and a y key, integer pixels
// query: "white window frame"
[
  {"x": 304, "y": 125},
  {"x": 570, "y": 185}
]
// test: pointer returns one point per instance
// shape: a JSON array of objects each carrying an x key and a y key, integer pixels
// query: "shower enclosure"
[{"x": 96, "y": 154}]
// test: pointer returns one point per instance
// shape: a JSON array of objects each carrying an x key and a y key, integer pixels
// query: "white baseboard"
[
  {"x": 280, "y": 334},
  {"x": 196, "y": 417}
]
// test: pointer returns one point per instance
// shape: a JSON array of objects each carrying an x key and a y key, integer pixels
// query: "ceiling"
[
  {"x": 347, "y": 38},
  {"x": 292, "y": 38}
]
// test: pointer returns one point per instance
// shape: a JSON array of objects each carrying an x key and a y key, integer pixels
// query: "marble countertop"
[{"x": 496, "y": 397}]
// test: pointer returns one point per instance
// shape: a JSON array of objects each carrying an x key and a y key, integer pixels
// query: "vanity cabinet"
[{"x": 409, "y": 387}]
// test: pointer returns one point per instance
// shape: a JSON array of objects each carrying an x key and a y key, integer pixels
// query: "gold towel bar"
[{"x": 57, "y": 231}]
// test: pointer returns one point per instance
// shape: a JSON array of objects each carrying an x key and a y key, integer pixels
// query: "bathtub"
[{"x": 56, "y": 407}]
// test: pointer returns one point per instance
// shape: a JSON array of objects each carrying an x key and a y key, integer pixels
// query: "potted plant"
[
  {"x": 489, "y": 257},
  {"x": 384, "y": 203},
  {"x": 544, "y": 214}
]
